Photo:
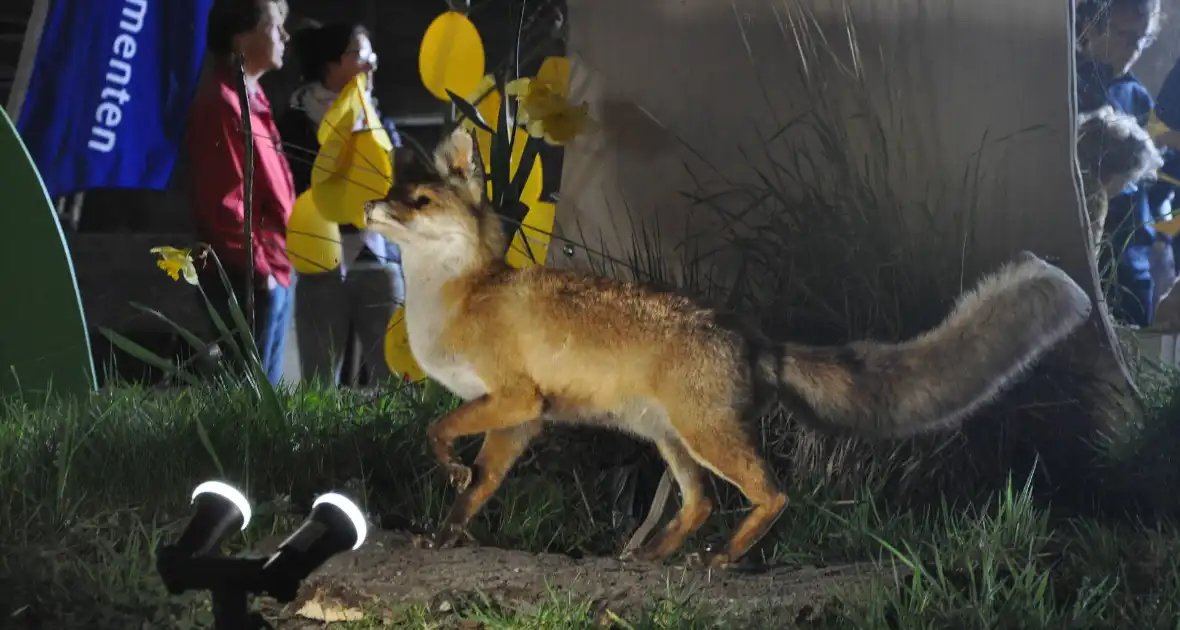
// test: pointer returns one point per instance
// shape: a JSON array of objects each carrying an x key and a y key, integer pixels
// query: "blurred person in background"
[
  {"x": 339, "y": 310},
  {"x": 216, "y": 150},
  {"x": 1112, "y": 34}
]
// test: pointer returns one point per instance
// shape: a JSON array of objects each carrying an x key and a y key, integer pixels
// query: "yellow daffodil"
[
  {"x": 175, "y": 262},
  {"x": 563, "y": 125},
  {"x": 537, "y": 98},
  {"x": 546, "y": 113}
]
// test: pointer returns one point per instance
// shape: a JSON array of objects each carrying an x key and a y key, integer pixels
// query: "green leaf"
[
  {"x": 272, "y": 408},
  {"x": 222, "y": 329},
  {"x": 203, "y": 436},
  {"x": 145, "y": 355},
  {"x": 197, "y": 344},
  {"x": 469, "y": 111},
  {"x": 255, "y": 375},
  {"x": 193, "y": 340},
  {"x": 528, "y": 157},
  {"x": 501, "y": 155},
  {"x": 235, "y": 311},
  {"x": 432, "y": 393}
]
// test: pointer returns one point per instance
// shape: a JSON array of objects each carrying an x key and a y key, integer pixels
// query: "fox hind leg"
[
  {"x": 695, "y": 508},
  {"x": 729, "y": 454},
  {"x": 500, "y": 450}
]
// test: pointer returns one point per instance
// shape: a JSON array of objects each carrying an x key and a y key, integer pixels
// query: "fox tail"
[{"x": 994, "y": 333}]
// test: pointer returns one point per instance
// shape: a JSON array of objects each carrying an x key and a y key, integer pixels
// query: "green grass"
[
  {"x": 556, "y": 611},
  {"x": 89, "y": 488}
]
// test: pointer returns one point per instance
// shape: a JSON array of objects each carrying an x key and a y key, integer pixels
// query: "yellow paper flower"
[
  {"x": 546, "y": 113},
  {"x": 175, "y": 262}
]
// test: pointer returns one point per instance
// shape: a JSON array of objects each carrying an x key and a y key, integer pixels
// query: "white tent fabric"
[{"x": 673, "y": 80}]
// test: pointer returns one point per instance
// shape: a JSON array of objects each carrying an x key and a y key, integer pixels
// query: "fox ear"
[{"x": 459, "y": 164}]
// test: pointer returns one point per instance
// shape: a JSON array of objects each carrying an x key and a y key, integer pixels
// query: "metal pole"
[
  {"x": 20, "y": 88},
  {"x": 28, "y": 55},
  {"x": 247, "y": 188}
]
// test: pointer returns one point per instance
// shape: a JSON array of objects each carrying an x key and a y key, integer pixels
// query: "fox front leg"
[
  {"x": 499, "y": 410},
  {"x": 500, "y": 450},
  {"x": 509, "y": 421}
]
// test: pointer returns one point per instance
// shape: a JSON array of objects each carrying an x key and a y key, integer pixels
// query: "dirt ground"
[{"x": 391, "y": 572}]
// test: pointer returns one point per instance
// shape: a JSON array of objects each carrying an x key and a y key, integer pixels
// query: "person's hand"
[{"x": 271, "y": 283}]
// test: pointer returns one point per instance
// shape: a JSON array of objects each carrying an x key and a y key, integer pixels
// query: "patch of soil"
[{"x": 391, "y": 572}]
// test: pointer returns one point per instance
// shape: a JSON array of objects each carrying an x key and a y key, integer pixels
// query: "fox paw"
[
  {"x": 700, "y": 560},
  {"x": 639, "y": 555},
  {"x": 720, "y": 561},
  {"x": 450, "y": 536},
  {"x": 447, "y": 537},
  {"x": 710, "y": 560},
  {"x": 458, "y": 475}
]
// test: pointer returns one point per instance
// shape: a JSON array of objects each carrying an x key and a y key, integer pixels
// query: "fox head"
[
  {"x": 1114, "y": 150},
  {"x": 438, "y": 211}
]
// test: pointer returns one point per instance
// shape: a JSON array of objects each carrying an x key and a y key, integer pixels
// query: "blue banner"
[{"x": 110, "y": 90}]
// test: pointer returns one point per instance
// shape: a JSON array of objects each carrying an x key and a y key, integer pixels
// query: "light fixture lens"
[
  {"x": 350, "y": 510},
  {"x": 228, "y": 492}
]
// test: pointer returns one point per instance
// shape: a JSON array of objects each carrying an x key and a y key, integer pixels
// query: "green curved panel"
[{"x": 44, "y": 345}]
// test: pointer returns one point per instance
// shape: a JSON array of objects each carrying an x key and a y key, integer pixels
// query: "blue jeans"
[
  {"x": 274, "y": 323},
  {"x": 273, "y": 309}
]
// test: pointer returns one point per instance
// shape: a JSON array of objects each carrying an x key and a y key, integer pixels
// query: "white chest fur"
[{"x": 427, "y": 319}]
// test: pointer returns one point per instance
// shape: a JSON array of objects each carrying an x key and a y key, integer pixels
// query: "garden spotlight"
[
  {"x": 334, "y": 525},
  {"x": 192, "y": 564},
  {"x": 220, "y": 507}
]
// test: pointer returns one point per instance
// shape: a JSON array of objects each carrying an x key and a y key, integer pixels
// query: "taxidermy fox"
[{"x": 533, "y": 346}]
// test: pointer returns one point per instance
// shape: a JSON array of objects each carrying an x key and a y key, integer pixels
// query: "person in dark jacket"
[
  {"x": 1165, "y": 130},
  {"x": 357, "y": 299}
]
